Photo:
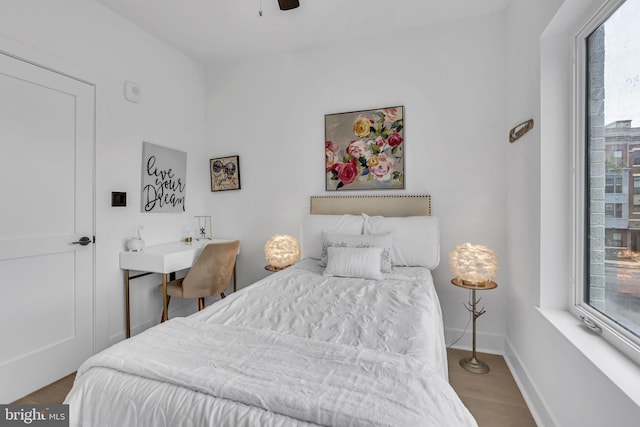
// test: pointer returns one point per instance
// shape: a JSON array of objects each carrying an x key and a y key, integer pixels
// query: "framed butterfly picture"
[{"x": 225, "y": 173}]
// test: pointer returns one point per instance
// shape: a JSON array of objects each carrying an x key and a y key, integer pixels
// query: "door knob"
[{"x": 84, "y": 241}]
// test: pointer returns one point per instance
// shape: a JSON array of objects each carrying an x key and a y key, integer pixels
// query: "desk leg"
[
  {"x": 126, "y": 303},
  {"x": 165, "y": 303}
]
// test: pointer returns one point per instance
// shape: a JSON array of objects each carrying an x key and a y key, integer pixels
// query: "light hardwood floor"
[
  {"x": 493, "y": 398},
  {"x": 53, "y": 393}
]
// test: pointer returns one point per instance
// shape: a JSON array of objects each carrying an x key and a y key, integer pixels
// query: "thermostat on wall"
[{"x": 132, "y": 92}]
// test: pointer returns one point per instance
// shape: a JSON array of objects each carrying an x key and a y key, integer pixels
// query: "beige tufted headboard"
[{"x": 409, "y": 205}]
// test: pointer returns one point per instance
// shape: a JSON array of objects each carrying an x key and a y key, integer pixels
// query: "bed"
[{"x": 351, "y": 335}]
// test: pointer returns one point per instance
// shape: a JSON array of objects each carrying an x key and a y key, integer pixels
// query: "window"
[
  {"x": 613, "y": 184},
  {"x": 614, "y": 239},
  {"x": 636, "y": 194},
  {"x": 607, "y": 284},
  {"x": 617, "y": 158},
  {"x": 613, "y": 210}
]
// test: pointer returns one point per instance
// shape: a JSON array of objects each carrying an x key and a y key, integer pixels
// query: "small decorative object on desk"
[
  {"x": 474, "y": 267},
  {"x": 203, "y": 227},
  {"x": 136, "y": 243},
  {"x": 281, "y": 251}
]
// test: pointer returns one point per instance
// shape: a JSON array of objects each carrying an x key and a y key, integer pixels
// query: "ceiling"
[{"x": 211, "y": 30}]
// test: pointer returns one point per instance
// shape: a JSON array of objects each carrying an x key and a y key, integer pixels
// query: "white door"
[{"x": 46, "y": 204}]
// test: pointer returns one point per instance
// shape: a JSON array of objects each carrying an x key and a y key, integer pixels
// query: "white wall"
[
  {"x": 84, "y": 39},
  {"x": 545, "y": 347},
  {"x": 450, "y": 79}
]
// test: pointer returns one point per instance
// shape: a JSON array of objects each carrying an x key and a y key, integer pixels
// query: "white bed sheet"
[{"x": 399, "y": 315}]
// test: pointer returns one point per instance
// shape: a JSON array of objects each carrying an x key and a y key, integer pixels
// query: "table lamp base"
[{"x": 473, "y": 365}]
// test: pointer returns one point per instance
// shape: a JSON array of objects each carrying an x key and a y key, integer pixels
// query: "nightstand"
[{"x": 472, "y": 364}]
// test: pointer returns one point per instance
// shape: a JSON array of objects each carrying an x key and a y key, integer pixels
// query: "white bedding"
[{"x": 296, "y": 348}]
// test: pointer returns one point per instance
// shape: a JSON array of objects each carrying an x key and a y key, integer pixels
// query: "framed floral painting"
[{"x": 364, "y": 150}]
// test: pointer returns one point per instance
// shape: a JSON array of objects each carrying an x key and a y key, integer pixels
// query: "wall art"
[
  {"x": 364, "y": 150},
  {"x": 164, "y": 179},
  {"x": 225, "y": 173}
]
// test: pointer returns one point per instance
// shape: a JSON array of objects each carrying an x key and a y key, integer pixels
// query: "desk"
[{"x": 162, "y": 259}]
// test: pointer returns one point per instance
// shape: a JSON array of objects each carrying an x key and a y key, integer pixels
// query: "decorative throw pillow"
[
  {"x": 339, "y": 240},
  {"x": 362, "y": 263}
]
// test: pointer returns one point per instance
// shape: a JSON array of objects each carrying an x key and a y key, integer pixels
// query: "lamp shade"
[
  {"x": 475, "y": 264},
  {"x": 281, "y": 251}
]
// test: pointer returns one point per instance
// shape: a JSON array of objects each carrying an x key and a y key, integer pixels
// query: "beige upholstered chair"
[{"x": 210, "y": 274}]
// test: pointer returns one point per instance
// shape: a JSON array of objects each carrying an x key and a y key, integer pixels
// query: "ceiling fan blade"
[{"x": 288, "y": 4}]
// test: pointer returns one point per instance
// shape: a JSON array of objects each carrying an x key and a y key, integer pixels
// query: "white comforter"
[{"x": 293, "y": 349}]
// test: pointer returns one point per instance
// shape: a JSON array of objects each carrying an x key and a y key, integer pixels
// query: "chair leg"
[
  {"x": 200, "y": 304},
  {"x": 162, "y": 315},
  {"x": 234, "y": 275},
  {"x": 221, "y": 295}
]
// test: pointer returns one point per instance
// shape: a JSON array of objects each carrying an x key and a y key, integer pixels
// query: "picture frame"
[
  {"x": 364, "y": 150},
  {"x": 164, "y": 179},
  {"x": 225, "y": 173}
]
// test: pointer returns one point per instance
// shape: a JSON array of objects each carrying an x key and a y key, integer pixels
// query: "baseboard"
[
  {"x": 177, "y": 308},
  {"x": 485, "y": 343},
  {"x": 534, "y": 400}
]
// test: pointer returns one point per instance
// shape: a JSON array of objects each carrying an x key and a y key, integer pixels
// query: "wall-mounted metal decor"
[
  {"x": 364, "y": 150},
  {"x": 519, "y": 130},
  {"x": 225, "y": 173},
  {"x": 164, "y": 179}
]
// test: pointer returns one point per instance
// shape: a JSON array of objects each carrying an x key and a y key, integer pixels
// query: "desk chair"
[{"x": 210, "y": 274}]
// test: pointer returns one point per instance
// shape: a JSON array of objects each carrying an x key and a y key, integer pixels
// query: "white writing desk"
[{"x": 162, "y": 259}]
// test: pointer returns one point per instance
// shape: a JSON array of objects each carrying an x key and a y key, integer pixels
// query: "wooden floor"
[
  {"x": 493, "y": 398},
  {"x": 53, "y": 393}
]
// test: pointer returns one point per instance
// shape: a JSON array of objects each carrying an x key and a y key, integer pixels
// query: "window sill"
[{"x": 617, "y": 367}]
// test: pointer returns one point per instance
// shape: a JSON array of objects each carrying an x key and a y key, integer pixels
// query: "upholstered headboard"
[
  {"x": 415, "y": 233},
  {"x": 391, "y": 206}
]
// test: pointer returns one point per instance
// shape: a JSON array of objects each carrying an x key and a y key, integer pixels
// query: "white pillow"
[
  {"x": 416, "y": 239},
  {"x": 383, "y": 241},
  {"x": 312, "y": 226},
  {"x": 362, "y": 263}
]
